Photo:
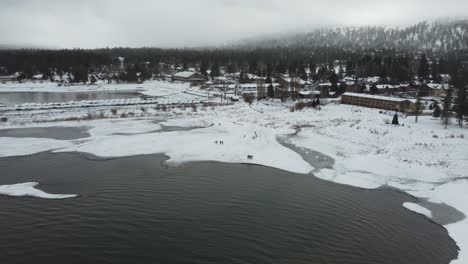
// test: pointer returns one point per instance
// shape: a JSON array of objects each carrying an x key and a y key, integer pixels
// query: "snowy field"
[{"x": 423, "y": 159}]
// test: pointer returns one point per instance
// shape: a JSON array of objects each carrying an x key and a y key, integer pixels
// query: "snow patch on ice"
[
  {"x": 108, "y": 127},
  {"x": 27, "y": 146},
  {"x": 186, "y": 123},
  {"x": 28, "y": 189},
  {"x": 418, "y": 209},
  {"x": 228, "y": 142},
  {"x": 357, "y": 179}
]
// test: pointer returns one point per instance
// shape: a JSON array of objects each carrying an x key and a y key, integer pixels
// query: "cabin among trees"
[
  {"x": 433, "y": 89},
  {"x": 8, "y": 78},
  {"x": 379, "y": 102},
  {"x": 192, "y": 77}
]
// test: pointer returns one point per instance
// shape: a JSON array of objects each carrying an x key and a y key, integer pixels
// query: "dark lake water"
[
  {"x": 60, "y": 133},
  {"x": 136, "y": 210},
  {"x": 14, "y": 98}
]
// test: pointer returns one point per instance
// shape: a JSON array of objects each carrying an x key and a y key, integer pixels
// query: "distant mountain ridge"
[
  {"x": 21, "y": 46},
  {"x": 437, "y": 36}
]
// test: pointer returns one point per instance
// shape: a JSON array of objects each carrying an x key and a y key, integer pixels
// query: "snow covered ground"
[
  {"x": 423, "y": 159},
  {"x": 153, "y": 88}
]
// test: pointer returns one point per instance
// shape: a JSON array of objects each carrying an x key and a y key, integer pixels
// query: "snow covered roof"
[
  {"x": 385, "y": 86},
  {"x": 373, "y": 79},
  {"x": 252, "y": 76},
  {"x": 8, "y": 76},
  {"x": 290, "y": 80},
  {"x": 306, "y": 93},
  {"x": 437, "y": 86},
  {"x": 387, "y": 98},
  {"x": 245, "y": 85},
  {"x": 185, "y": 74}
]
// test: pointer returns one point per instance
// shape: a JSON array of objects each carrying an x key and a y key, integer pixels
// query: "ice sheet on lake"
[
  {"x": 27, "y": 146},
  {"x": 28, "y": 189},
  {"x": 203, "y": 144}
]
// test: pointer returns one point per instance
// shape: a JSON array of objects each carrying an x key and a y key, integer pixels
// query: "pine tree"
[
  {"x": 203, "y": 68},
  {"x": 461, "y": 101},
  {"x": 423, "y": 70},
  {"x": 302, "y": 72},
  {"x": 418, "y": 107},
  {"x": 271, "y": 91},
  {"x": 342, "y": 89},
  {"x": 395, "y": 120},
  {"x": 447, "y": 104},
  {"x": 341, "y": 72},
  {"x": 373, "y": 89},
  {"x": 334, "y": 81},
  {"x": 215, "y": 72},
  {"x": 437, "y": 111}
]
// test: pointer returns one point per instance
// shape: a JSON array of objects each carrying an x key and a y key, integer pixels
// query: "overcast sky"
[{"x": 188, "y": 23}]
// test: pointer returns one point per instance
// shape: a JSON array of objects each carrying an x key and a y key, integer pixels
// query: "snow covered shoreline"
[{"x": 422, "y": 159}]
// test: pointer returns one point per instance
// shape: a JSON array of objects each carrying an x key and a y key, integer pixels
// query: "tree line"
[{"x": 391, "y": 65}]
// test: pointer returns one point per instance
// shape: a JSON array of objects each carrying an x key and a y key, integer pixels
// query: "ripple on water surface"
[{"x": 135, "y": 210}]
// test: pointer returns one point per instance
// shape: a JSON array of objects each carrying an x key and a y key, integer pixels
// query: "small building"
[
  {"x": 38, "y": 77},
  {"x": 309, "y": 94},
  {"x": 296, "y": 83},
  {"x": 9, "y": 78},
  {"x": 387, "y": 89},
  {"x": 433, "y": 89},
  {"x": 192, "y": 77},
  {"x": 372, "y": 80},
  {"x": 379, "y": 102},
  {"x": 234, "y": 98},
  {"x": 404, "y": 87},
  {"x": 324, "y": 89},
  {"x": 354, "y": 87},
  {"x": 247, "y": 89}
]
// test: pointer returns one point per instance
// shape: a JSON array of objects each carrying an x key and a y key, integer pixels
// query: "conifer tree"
[
  {"x": 437, "y": 111},
  {"x": 423, "y": 70},
  {"x": 461, "y": 101},
  {"x": 447, "y": 104},
  {"x": 271, "y": 91},
  {"x": 215, "y": 72},
  {"x": 334, "y": 81},
  {"x": 203, "y": 68},
  {"x": 373, "y": 89},
  {"x": 418, "y": 107},
  {"x": 342, "y": 89},
  {"x": 395, "y": 119}
]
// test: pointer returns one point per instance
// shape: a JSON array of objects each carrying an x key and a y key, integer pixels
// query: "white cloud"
[{"x": 102, "y": 23}]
